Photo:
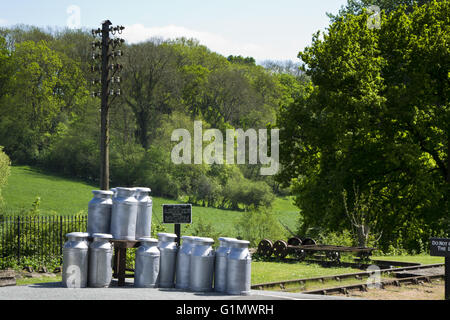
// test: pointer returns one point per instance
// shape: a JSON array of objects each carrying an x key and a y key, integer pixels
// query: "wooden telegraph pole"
[{"x": 107, "y": 78}]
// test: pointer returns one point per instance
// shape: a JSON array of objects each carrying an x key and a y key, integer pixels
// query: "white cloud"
[{"x": 138, "y": 33}]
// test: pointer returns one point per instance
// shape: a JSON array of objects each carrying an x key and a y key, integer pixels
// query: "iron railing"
[{"x": 40, "y": 238}]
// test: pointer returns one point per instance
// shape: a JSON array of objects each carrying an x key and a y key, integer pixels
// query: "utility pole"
[{"x": 107, "y": 79}]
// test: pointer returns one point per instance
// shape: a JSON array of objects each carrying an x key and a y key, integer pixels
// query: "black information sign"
[
  {"x": 177, "y": 213},
  {"x": 440, "y": 247}
]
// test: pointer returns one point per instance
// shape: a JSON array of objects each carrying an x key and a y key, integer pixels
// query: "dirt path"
[{"x": 425, "y": 291}]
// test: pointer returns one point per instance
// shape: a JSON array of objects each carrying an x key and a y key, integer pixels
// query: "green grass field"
[{"x": 62, "y": 196}]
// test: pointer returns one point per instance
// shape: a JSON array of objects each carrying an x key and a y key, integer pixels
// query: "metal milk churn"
[
  {"x": 220, "y": 270},
  {"x": 147, "y": 262},
  {"x": 100, "y": 257},
  {"x": 202, "y": 265},
  {"x": 144, "y": 214},
  {"x": 168, "y": 248},
  {"x": 75, "y": 260},
  {"x": 99, "y": 212},
  {"x": 124, "y": 214},
  {"x": 183, "y": 262},
  {"x": 239, "y": 268}
]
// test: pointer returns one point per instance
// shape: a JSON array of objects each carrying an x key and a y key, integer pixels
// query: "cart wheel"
[
  {"x": 308, "y": 242},
  {"x": 333, "y": 255},
  {"x": 301, "y": 254},
  {"x": 365, "y": 256},
  {"x": 294, "y": 241},
  {"x": 280, "y": 249},
  {"x": 265, "y": 248}
]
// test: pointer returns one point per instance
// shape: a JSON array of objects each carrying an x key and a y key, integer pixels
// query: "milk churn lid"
[
  {"x": 239, "y": 243},
  {"x": 148, "y": 239},
  {"x": 125, "y": 189},
  {"x": 102, "y": 192},
  {"x": 102, "y": 236},
  {"x": 77, "y": 235},
  {"x": 167, "y": 235},
  {"x": 204, "y": 240},
  {"x": 142, "y": 189},
  {"x": 225, "y": 239},
  {"x": 189, "y": 237}
]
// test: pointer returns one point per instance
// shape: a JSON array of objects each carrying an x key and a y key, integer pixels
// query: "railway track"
[
  {"x": 364, "y": 264},
  {"x": 381, "y": 284},
  {"x": 298, "y": 284}
]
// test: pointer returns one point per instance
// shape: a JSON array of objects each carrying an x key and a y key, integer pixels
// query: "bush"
[
  {"x": 5, "y": 170},
  {"x": 204, "y": 229},
  {"x": 256, "y": 225}
]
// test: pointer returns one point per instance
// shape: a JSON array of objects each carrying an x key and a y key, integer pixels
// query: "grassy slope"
[{"x": 65, "y": 197}]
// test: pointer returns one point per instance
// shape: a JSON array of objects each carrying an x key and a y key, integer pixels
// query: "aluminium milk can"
[
  {"x": 147, "y": 262},
  {"x": 144, "y": 214},
  {"x": 75, "y": 260},
  {"x": 239, "y": 268},
  {"x": 124, "y": 214},
  {"x": 168, "y": 249},
  {"x": 220, "y": 269},
  {"x": 202, "y": 265},
  {"x": 183, "y": 262},
  {"x": 100, "y": 257},
  {"x": 99, "y": 212}
]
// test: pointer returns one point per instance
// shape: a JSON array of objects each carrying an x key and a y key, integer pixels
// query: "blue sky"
[{"x": 263, "y": 29}]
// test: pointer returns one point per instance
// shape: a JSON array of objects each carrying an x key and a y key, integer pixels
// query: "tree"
[
  {"x": 47, "y": 87},
  {"x": 362, "y": 215},
  {"x": 150, "y": 85},
  {"x": 5, "y": 68},
  {"x": 377, "y": 112},
  {"x": 356, "y": 7},
  {"x": 241, "y": 60}
]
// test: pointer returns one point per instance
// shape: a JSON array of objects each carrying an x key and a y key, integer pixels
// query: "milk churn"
[
  {"x": 202, "y": 265},
  {"x": 75, "y": 260},
  {"x": 168, "y": 248},
  {"x": 124, "y": 214},
  {"x": 183, "y": 262},
  {"x": 147, "y": 262},
  {"x": 239, "y": 268},
  {"x": 99, "y": 212},
  {"x": 220, "y": 269},
  {"x": 144, "y": 214},
  {"x": 100, "y": 257}
]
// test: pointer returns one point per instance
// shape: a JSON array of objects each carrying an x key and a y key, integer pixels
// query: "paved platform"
[{"x": 55, "y": 291}]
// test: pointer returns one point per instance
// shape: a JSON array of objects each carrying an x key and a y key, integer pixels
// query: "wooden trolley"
[{"x": 301, "y": 248}]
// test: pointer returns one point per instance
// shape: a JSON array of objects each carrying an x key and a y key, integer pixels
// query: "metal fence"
[{"x": 37, "y": 238}]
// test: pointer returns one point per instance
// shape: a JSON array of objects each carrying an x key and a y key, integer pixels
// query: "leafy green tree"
[
  {"x": 150, "y": 85},
  {"x": 45, "y": 88},
  {"x": 241, "y": 60},
  {"x": 356, "y": 7},
  {"x": 377, "y": 112},
  {"x": 5, "y": 68}
]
